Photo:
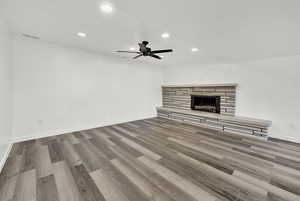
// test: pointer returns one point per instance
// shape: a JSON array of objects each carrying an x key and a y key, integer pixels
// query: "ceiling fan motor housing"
[{"x": 145, "y": 43}]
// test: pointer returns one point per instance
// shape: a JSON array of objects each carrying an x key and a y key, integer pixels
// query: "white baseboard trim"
[
  {"x": 65, "y": 131},
  {"x": 4, "y": 158},
  {"x": 289, "y": 139}
]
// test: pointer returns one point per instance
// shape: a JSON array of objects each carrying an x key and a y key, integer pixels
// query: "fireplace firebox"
[{"x": 206, "y": 103}]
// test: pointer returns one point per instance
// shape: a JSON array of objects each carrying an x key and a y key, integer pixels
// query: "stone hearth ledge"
[{"x": 237, "y": 124}]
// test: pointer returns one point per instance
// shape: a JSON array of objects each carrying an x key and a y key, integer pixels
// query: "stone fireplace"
[
  {"x": 209, "y": 105},
  {"x": 181, "y": 97}
]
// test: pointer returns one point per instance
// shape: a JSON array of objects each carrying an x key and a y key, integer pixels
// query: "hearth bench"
[{"x": 234, "y": 124}]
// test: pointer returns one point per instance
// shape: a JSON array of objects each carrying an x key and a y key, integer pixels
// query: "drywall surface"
[
  {"x": 268, "y": 89},
  {"x": 59, "y": 89},
  {"x": 5, "y": 88}
]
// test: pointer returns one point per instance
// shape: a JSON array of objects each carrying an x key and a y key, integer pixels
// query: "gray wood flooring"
[{"x": 152, "y": 160}]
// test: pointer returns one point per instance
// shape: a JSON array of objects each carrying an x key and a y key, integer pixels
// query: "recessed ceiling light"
[
  {"x": 194, "y": 49},
  {"x": 165, "y": 35},
  {"x": 132, "y": 48},
  {"x": 106, "y": 7},
  {"x": 81, "y": 34}
]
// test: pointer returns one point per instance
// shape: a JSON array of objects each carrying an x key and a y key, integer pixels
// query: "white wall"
[
  {"x": 268, "y": 89},
  {"x": 5, "y": 89},
  {"x": 59, "y": 89}
]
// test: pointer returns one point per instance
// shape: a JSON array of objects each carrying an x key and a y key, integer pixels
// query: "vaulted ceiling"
[{"x": 223, "y": 30}]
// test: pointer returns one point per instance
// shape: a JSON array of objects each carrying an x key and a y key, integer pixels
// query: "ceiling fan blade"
[
  {"x": 137, "y": 56},
  {"x": 161, "y": 51},
  {"x": 155, "y": 56},
  {"x": 133, "y": 52}
]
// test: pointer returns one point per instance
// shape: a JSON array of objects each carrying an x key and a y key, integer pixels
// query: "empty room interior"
[{"x": 134, "y": 100}]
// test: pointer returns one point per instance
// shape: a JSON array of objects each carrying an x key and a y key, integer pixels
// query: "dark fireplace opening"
[{"x": 206, "y": 103}]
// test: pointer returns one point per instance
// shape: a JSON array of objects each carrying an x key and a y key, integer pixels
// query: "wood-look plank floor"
[{"x": 152, "y": 160}]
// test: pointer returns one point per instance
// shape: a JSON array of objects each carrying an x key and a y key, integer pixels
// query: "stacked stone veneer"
[{"x": 180, "y": 97}]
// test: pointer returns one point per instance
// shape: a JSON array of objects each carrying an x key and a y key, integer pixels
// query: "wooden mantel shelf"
[{"x": 200, "y": 85}]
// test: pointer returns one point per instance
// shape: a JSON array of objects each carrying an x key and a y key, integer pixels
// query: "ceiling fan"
[{"x": 146, "y": 51}]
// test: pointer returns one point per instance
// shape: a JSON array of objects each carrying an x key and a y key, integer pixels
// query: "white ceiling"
[{"x": 223, "y": 30}]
